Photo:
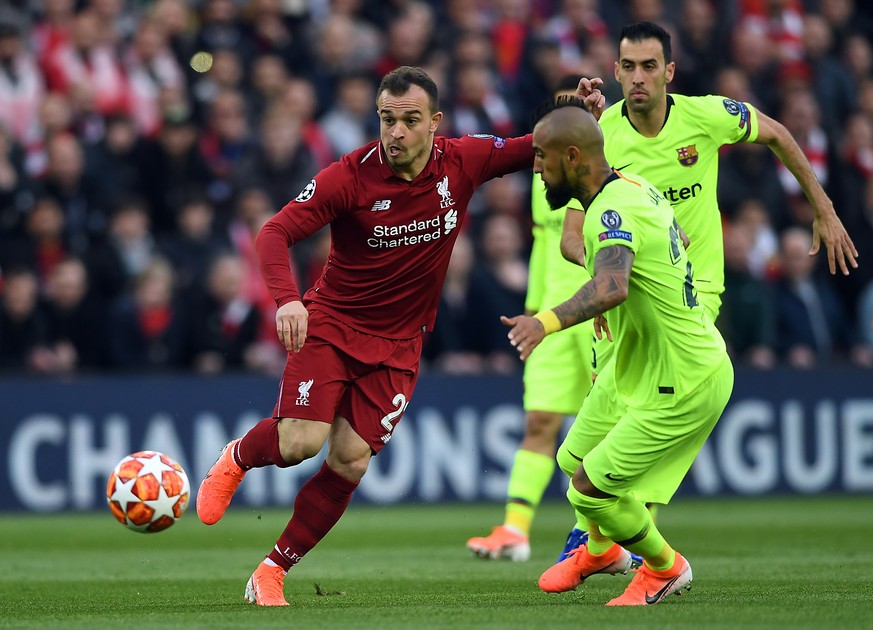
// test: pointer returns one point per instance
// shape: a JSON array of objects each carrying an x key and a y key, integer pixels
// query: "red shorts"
[{"x": 340, "y": 371}]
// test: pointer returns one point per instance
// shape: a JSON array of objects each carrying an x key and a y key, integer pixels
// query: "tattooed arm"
[{"x": 606, "y": 289}]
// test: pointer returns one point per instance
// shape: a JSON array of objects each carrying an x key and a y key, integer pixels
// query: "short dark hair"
[
  {"x": 639, "y": 31},
  {"x": 547, "y": 107},
  {"x": 399, "y": 80}
]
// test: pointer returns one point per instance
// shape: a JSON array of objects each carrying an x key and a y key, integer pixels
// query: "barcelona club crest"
[{"x": 687, "y": 155}]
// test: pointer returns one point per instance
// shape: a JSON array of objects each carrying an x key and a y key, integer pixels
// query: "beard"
[
  {"x": 405, "y": 159},
  {"x": 643, "y": 105},
  {"x": 559, "y": 195},
  {"x": 401, "y": 161}
]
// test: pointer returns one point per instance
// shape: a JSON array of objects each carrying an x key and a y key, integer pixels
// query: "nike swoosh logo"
[
  {"x": 654, "y": 599},
  {"x": 621, "y": 168},
  {"x": 611, "y": 478}
]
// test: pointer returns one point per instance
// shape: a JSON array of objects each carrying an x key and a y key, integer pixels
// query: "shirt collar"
[
  {"x": 612, "y": 177},
  {"x": 430, "y": 169},
  {"x": 670, "y": 104}
]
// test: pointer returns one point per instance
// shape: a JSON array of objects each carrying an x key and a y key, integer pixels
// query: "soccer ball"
[{"x": 148, "y": 491}]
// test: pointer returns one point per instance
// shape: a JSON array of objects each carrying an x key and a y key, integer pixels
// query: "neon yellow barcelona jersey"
[
  {"x": 682, "y": 162},
  {"x": 552, "y": 279},
  {"x": 665, "y": 345}
]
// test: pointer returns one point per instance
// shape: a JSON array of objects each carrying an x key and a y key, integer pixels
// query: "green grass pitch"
[{"x": 764, "y": 563}]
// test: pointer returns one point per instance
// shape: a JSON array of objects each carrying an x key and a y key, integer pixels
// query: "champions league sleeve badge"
[
  {"x": 307, "y": 193},
  {"x": 610, "y": 219}
]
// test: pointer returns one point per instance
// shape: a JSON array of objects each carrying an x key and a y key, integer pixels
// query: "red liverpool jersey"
[{"x": 390, "y": 238}]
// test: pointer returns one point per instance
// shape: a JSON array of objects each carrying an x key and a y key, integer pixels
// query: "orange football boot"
[
  {"x": 502, "y": 542},
  {"x": 266, "y": 586},
  {"x": 579, "y": 565},
  {"x": 650, "y": 587},
  {"x": 218, "y": 486}
]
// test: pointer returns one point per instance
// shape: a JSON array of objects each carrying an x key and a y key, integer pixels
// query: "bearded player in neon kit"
[
  {"x": 644, "y": 421},
  {"x": 673, "y": 141}
]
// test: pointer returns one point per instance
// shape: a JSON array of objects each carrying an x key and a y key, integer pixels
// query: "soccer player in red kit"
[{"x": 395, "y": 208}]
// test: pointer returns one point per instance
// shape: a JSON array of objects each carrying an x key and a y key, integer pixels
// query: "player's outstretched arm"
[
  {"x": 826, "y": 226},
  {"x": 607, "y": 289},
  {"x": 526, "y": 333}
]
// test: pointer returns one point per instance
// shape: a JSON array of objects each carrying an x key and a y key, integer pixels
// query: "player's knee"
[
  {"x": 583, "y": 485},
  {"x": 297, "y": 442},
  {"x": 297, "y": 453},
  {"x": 349, "y": 467},
  {"x": 541, "y": 430}
]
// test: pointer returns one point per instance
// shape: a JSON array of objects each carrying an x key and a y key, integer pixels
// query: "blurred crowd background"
[{"x": 144, "y": 144}]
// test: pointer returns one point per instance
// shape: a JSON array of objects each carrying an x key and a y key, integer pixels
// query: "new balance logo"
[{"x": 382, "y": 204}]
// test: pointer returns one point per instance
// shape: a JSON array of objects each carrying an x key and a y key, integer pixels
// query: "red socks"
[
  {"x": 260, "y": 446},
  {"x": 319, "y": 505}
]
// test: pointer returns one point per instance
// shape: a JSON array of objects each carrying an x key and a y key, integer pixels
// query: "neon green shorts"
[
  {"x": 557, "y": 374},
  {"x": 644, "y": 453}
]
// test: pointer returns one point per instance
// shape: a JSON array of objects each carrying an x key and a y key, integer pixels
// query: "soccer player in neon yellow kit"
[
  {"x": 673, "y": 141},
  {"x": 556, "y": 379},
  {"x": 650, "y": 418}
]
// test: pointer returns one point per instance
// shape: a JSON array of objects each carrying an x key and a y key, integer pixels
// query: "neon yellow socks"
[
  {"x": 528, "y": 479},
  {"x": 627, "y": 522},
  {"x": 597, "y": 543}
]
